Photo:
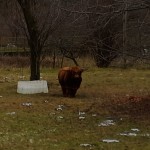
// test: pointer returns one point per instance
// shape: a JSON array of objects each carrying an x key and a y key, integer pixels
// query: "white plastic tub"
[{"x": 32, "y": 87}]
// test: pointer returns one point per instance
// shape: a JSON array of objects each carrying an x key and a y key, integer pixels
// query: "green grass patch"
[{"x": 103, "y": 95}]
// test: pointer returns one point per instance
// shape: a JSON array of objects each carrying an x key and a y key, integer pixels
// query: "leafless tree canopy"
[{"x": 107, "y": 29}]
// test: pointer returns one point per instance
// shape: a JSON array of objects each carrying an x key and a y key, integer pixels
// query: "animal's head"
[{"x": 76, "y": 71}]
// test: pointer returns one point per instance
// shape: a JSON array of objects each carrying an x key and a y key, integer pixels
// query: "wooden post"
[{"x": 125, "y": 36}]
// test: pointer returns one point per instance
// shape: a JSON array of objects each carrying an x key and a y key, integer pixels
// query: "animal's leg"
[
  {"x": 72, "y": 92},
  {"x": 64, "y": 91},
  {"x": 67, "y": 91}
]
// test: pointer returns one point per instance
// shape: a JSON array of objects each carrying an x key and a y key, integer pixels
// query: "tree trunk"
[
  {"x": 32, "y": 34},
  {"x": 34, "y": 67}
]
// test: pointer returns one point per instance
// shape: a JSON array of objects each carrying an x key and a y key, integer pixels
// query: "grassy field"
[{"x": 110, "y": 112}]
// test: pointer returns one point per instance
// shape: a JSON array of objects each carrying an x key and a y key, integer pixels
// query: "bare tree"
[
  {"x": 69, "y": 50},
  {"x": 38, "y": 20},
  {"x": 111, "y": 24}
]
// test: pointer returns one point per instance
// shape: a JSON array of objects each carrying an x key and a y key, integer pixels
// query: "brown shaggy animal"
[{"x": 70, "y": 80}]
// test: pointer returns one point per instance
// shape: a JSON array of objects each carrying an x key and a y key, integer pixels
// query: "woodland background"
[{"x": 106, "y": 31}]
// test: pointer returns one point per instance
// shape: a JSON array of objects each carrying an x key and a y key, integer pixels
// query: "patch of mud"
[{"x": 133, "y": 105}]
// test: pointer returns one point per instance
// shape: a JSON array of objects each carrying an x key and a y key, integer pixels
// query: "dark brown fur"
[{"x": 70, "y": 80}]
